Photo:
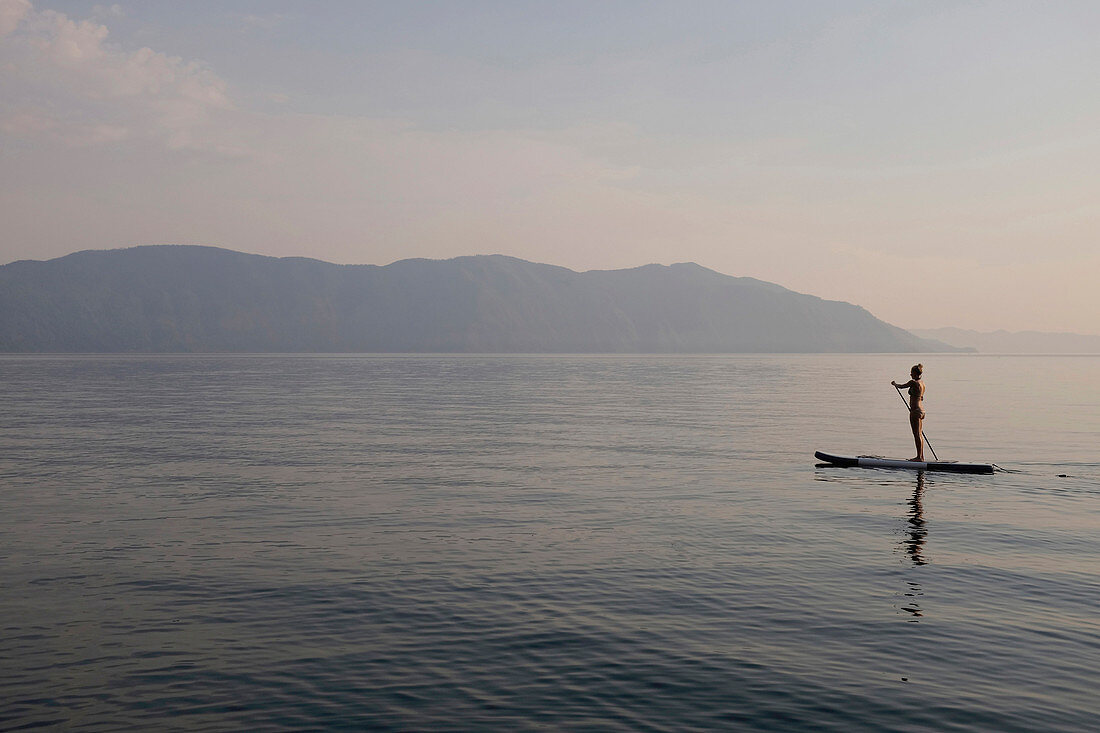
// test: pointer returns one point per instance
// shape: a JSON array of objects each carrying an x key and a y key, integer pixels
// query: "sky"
[{"x": 935, "y": 162}]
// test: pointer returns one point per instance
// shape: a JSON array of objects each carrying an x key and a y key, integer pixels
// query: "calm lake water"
[{"x": 521, "y": 543}]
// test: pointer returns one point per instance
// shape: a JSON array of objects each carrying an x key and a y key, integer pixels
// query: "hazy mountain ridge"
[
  {"x": 194, "y": 299},
  {"x": 1014, "y": 342}
]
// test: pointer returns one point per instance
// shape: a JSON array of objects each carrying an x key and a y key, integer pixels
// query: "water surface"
[{"x": 518, "y": 543}]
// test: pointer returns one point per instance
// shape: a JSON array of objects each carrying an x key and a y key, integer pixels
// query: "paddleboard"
[{"x": 876, "y": 462}]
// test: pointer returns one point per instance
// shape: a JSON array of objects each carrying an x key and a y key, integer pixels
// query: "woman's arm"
[{"x": 899, "y": 386}]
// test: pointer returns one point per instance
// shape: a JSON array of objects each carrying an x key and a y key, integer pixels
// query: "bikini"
[{"x": 914, "y": 391}]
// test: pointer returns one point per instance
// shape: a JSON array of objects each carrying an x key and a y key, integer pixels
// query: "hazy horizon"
[{"x": 931, "y": 162}]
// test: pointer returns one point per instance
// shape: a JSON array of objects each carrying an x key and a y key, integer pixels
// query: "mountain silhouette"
[{"x": 173, "y": 298}]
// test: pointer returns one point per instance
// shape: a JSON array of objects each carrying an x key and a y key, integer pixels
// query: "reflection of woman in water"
[
  {"x": 917, "y": 532},
  {"x": 916, "y": 411},
  {"x": 913, "y": 545}
]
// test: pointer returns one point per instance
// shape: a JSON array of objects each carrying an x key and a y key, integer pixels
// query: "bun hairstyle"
[{"x": 918, "y": 369}]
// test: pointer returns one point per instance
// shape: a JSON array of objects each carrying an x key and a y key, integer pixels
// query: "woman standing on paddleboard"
[{"x": 916, "y": 411}]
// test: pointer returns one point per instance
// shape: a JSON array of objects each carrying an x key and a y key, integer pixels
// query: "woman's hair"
[{"x": 918, "y": 369}]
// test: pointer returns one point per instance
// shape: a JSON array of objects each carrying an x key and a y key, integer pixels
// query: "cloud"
[
  {"x": 73, "y": 86},
  {"x": 11, "y": 13},
  {"x": 70, "y": 83}
]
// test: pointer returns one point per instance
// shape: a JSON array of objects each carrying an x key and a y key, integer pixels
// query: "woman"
[{"x": 916, "y": 412}]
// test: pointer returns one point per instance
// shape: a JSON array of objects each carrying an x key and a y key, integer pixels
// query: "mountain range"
[{"x": 173, "y": 298}]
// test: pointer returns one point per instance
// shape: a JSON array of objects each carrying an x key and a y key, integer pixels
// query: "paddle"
[{"x": 922, "y": 431}]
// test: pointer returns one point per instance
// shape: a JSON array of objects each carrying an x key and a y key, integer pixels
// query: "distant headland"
[
  {"x": 1015, "y": 342},
  {"x": 173, "y": 298}
]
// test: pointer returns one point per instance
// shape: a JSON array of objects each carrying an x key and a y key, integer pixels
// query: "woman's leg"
[{"x": 915, "y": 422}]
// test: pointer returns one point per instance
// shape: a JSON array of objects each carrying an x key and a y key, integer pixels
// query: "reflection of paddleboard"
[{"x": 875, "y": 462}]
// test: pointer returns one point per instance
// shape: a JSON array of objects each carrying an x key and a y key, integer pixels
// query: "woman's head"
[{"x": 917, "y": 371}]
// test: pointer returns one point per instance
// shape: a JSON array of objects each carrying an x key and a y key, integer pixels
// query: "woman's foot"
[{"x": 918, "y": 459}]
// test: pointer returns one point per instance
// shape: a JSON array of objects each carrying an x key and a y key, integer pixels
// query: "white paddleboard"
[{"x": 876, "y": 462}]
